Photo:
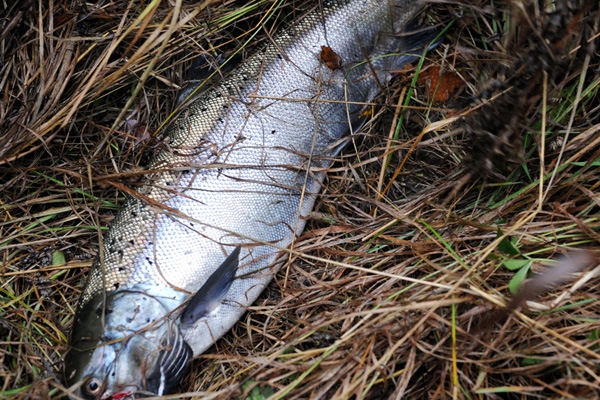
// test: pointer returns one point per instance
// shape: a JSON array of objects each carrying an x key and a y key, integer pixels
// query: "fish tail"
[{"x": 416, "y": 40}]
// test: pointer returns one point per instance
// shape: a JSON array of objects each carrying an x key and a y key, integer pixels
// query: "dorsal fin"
[{"x": 213, "y": 292}]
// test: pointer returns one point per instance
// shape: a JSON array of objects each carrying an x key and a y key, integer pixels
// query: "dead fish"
[{"x": 239, "y": 173}]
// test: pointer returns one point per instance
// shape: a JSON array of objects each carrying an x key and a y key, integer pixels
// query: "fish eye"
[{"x": 93, "y": 386}]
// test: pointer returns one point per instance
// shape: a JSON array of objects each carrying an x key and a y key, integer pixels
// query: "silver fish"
[{"x": 231, "y": 189}]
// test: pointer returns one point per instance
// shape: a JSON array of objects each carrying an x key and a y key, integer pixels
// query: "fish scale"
[{"x": 241, "y": 165}]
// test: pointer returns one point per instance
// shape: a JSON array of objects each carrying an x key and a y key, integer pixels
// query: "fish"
[{"x": 230, "y": 189}]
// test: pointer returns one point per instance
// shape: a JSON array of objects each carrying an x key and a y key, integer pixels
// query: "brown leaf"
[{"x": 330, "y": 58}]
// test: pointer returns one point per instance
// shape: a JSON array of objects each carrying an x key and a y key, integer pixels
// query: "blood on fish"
[{"x": 120, "y": 395}]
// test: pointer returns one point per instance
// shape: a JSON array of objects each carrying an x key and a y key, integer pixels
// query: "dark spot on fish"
[
  {"x": 204, "y": 109},
  {"x": 116, "y": 285},
  {"x": 273, "y": 131},
  {"x": 150, "y": 243},
  {"x": 149, "y": 260},
  {"x": 192, "y": 224},
  {"x": 279, "y": 56},
  {"x": 225, "y": 107},
  {"x": 147, "y": 320},
  {"x": 131, "y": 242},
  {"x": 220, "y": 119},
  {"x": 121, "y": 268},
  {"x": 217, "y": 95},
  {"x": 134, "y": 214}
]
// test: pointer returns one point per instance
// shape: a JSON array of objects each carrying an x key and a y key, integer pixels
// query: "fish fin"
[
  {"x": 212, "y": 293},
  {"x": 357, "y": 125},
  {"x": 204, "y": 72},
  {"x": 415, "y": 39},
  {"x": 171, "y": 365},
  {"x": 200, "y": 73}
]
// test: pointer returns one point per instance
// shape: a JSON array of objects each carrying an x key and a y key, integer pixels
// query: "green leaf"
[
  {"x": 514, "y": 265},
  {"x": 258, "y": 392},
  {"x": 594, "y": 335},
  {"x": 531, "y": 361},
  {"x": 516, "y": 280},
  {"x": 58, "y": 258},
  {"x": 506, "y": 245}
]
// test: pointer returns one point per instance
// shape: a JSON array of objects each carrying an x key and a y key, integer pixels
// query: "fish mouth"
[{"x": 85, "y": 337}]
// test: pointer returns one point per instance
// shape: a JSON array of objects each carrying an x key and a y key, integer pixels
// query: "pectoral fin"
[{"x": 213, "y": 292}]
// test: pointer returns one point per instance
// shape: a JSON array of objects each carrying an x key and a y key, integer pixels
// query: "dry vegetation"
[{"x": 399, "y": 285}]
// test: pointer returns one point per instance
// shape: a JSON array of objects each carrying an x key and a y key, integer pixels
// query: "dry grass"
[{"x": 399, "y": 284}]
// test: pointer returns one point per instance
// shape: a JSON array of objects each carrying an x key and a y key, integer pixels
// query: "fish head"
[{"x": 125, "y": 347}]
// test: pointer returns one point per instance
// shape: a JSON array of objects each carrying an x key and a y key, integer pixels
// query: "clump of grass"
[{"x": 397, "y": 288}]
